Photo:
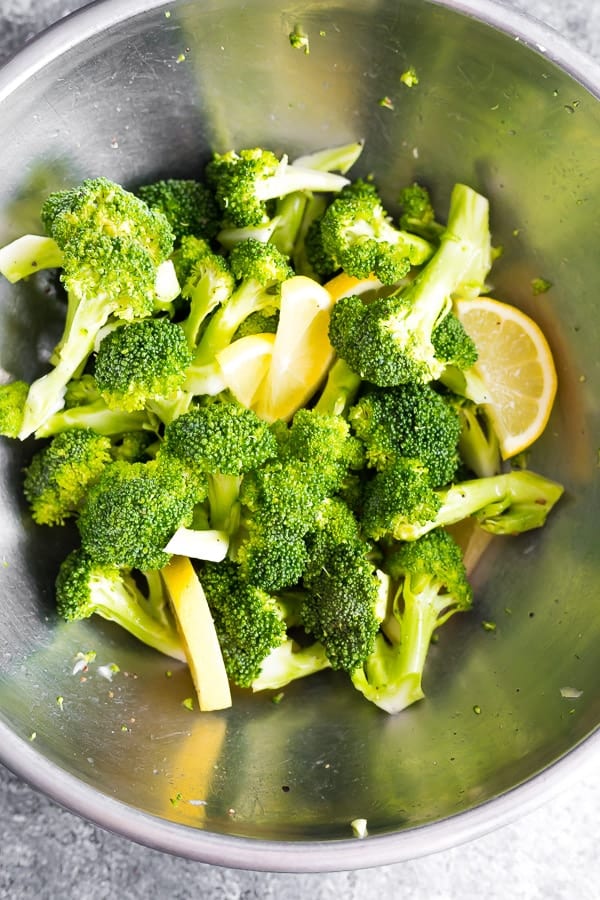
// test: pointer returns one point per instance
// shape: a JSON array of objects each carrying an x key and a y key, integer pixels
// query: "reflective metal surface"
[{"x": 135, "y": 90}]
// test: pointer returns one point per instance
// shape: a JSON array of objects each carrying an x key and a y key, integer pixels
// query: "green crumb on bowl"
[
  {"x": 410, "y": 77},
  {"x": 188, "y": 703},
  {"x": 299, "y": 40},
  {"x": 540, "y": 285},
  {"x": 386, "y": 103},
  {"x": 359, "y": 827}
]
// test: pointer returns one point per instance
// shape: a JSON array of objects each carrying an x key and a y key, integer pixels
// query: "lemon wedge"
[
  {"x": 302, "y": 353},
  {"x": 244, "y": 365},
  {"x": 516, "y": 365},
  {"x": 198, "y": 634}
]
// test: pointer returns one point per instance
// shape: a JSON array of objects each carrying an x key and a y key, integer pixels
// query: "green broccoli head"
[
  {"x": 254, "y": 260},
  {"x": 60, "y": 474},
  {"x": 400, "y": 495},
  {"x": 342, "y": 607},
  {"x": 140, "y": 362},
  {"x": 452, "y": 345},
  {"x": 188, "y": 205},
  {"x": 418, "y": 214},
  {"x": 99, "y": 206},
  {"x": 272, "y": 556},
  {"x": 220, "y": 437},
  {"x": 365, "y": 337},
  {"x": 133, "y": 510},
  {"x": 357, "y": 233},
  {"x": 244, "y": 182},
  {"x": 13, "y": 397},
  {"x": 412, "y": 421},
  {"x": 249, "y": 621}
]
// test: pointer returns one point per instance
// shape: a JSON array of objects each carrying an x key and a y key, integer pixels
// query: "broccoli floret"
[
  {"x": 142, "y": 364},
  {"x": 114, "y": 248},
  {"x": 134, "y": 509},
  {"x": 388, "y": 341},
  {"x": 452, "y": 345},
  {"x": 60, "y": 474},
  {"x": 358, "y": 235},
  {"x": 206, "y": 281},
  {"x": 85, "y": 588},
  {"x": 249, "y": 621},
  {"x": 323, "y": 441},
  {"x": 133, "y": 446},
  {"x": 245, "y": 181},
  {"x": 222, "y": 440},
  {"x": 400, "y": 502},
  {"x": 188, "y": 205},
  {"x": 259, "y": 270},
  {"x": 418, "y": 214},
  {"x": 413, "y": 421},
  {"x": 262, "y": 322},
  {"x": 271, "y": 556},
  {"x": 429, "y": 585},
  {"x": 342, "y": 608},
  {"x": 13, "y": 397}
]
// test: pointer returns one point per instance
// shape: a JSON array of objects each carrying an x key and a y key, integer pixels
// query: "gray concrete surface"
[{"x": 551, "y": 854}]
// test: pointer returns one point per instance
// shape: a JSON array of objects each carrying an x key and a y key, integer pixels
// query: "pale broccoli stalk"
[
  {"x": 27, "y": 255},
  {"x": 288, "y": 662}
]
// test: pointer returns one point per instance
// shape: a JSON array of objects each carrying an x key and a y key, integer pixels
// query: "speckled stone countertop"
[{"x": 550, "y": 854}]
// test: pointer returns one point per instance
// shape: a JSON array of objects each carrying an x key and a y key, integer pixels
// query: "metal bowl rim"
[{"x": 26, "y": 762}]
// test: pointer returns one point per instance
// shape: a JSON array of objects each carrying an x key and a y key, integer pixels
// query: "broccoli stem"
[
  {"x": 509, "y": 503},
  {"x": 292, "y": 178},
  {"x": 27, "y": 255},
  {"x": 223, "y": 499},
  {"x": 123, "y": 608},
  {"x": 458, "y": 266},
  {"x": 340, "y": 390},
  {"x": 289, "y": 213},
  {"x": 478, "y": 443},
  {"x": 209, "y": 544},
  {"x": 96, "y": 415},
  {"x": 332, "y": 159},
  {"x": 46, "y": 394},
  {"x": 248, "y": 298},
  {"x": 287, "y": 663}
]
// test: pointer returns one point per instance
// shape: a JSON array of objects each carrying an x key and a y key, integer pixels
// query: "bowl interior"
[{"x": 150, "y": 93}]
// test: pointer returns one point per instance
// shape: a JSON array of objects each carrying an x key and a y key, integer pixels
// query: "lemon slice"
[
  {"x": 343, "y": 285},
  {"x": 197, "y": 629},
  {"x": 244, "y": 365},
  {"x": 516, "y": 365},
  {"x": 302, "y": 353}
]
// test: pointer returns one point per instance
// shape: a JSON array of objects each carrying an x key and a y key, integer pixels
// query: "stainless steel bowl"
[{"x": 134, "y": 89}]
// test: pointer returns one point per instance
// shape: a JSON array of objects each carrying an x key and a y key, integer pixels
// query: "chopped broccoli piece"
[
  {"x": 429, "y": 585},
  {"x": 85, "y": 588},
  {"x": 13, "y": 397},
  {"x": 388, "y": 341},
  {"x": 249, "y": 628},
  {"x": 259, "y": 269},
  {"x": 413, "y": 421},
  {"x": 60, "y": 475},
  {"x": 222, "y": 440},
  {"x": 400, "y": 502},
  {"x": 133, "y": 509},
  {"x": 113, "y": 249},
  {"x": 357, "y": 234},
  {"x": 188, "y": 205},
  {"x": 289, "y": 662},
  {"x": 27, "y": 255},
  {"x": 206, "y": 279},
  {"x": 418, "y": 214},
  {"x": 142, "y": 362},
  {"x": 245, "y": 181},
  {"x": 342, "y": 608},
  {"x": 452, "y": 345}
]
